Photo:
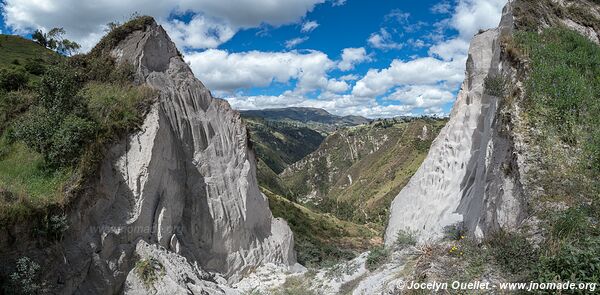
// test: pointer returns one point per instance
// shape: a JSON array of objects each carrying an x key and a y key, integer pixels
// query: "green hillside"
[
  {"x": 18, "y": 51},
  {"x": 280, "y": 144},
  {"x": 357, "y": 171},
  {"x": 56, "y": 115},
  {"x": 316, "y": 119},
  {"x": 321, "y": 239}
]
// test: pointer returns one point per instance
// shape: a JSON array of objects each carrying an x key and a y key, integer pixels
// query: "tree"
[
  {"x": 54, "y": 40},
  {"x": 40, "y": 38}
]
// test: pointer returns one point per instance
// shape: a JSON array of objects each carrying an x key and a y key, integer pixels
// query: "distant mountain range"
[{"x": 309, "y": 116}]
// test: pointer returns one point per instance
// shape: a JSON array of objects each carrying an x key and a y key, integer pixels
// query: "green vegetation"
[
  {"x": 54, "y": 40},
  {"x": 279, "y": 144},
  {"x": 118, "y": 33},
  {"x": 357, "y": 171},
  {"x": 56, "y": 115},
  {"x": 512, "y": 252},
  {"x": 405, "y": 238},
  {"x": 313, "y": 118},
  {"x": 495, "y": 86},
  {"x": 561, "y": 110},
  {"x": 18, "y": 52},
  {"x": 377, "y": 257},
  {"x": 149, "y": 271},
  {"x": 297, "y": 285},
  {"x": 25, "y": 279},
  {"x": 321, "y": 239}
]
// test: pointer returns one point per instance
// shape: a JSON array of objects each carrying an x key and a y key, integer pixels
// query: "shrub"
[
  {"x": 377, "y": 257},
  {"x": 12, "y": 104},
  {"x": 512, "y": 252},
  {"x": 149, "y": 270},
  {"x": 12, "y": 79},
  {"x": 60, "y": 141},
  {"x": 405, "y": 238},
  {"x": 25, "y": 279},
  {"x": 495, "y": 86},
  {"x": 69, "y": 140},
  {"x": 35, "y": 66},
  {"x": 54, "y": 226},
  {"x": 58, "y": 89},
  {"x": 570, "y": 224},
  {"x": 455, "y": 232},
  {"x": 576, "y": 263},
  {"x": 118, "y": 34}
]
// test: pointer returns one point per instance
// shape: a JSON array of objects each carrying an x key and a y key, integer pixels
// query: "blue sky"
[{"x": 372, "y": 58}]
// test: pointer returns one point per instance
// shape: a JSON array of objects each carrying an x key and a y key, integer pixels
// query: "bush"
[
  {"x": 149, "y": 270},
  {"x": 12, "y": 79},
  {"x": 59, "y": 140},
  {"x": 512, "y": 252},
  {"x": 25, "y": 279},
  {"x": 35, "y": 66},
  {"x": 495, "y": 86},
  {"x": 58, "y": 89},
  {"x": 455, "y": 232},
  {"x": 377, "y": 257},
  {"x": 69, "y": 140},
  {"x": 405, "y": 238},
  {"x": 118, "y": 34},
  {"x": 576, "y": 263},
  {"x": 12, "y": 104},
  {"x": 570, "y": 224}
]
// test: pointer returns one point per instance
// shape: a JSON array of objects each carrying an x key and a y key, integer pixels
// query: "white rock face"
[
  {"x": 182, "y": 190},
  {"x": 461, "y": 180}
]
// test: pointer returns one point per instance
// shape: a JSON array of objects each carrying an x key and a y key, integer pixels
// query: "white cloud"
[
  {"x": 349, "y": 77},
  {"x": 338, "y": 2},
  {"x": 200, "y": 32},
  {"x": 450, "y": 49},
  {"x": 472, "y": 15},
  {"x": 383, "y": 40},
  {"x": 295, "y": 42},
  {"x": 352, "y": 57},
  {"x": 426, "y": 70},
  {"x": 427, "y": 82},
  {"x": 443, "y": 7},
  {"x": 422, "y": 96},
  {"x": 337, "y": 86},
  {"x": 84, "y": 20},
  {"x": 416, "y": 43},
  {"x": 224, "y": 71},
  {"x": 309, "y": 26},
  {"x": 398, "y": 15}
]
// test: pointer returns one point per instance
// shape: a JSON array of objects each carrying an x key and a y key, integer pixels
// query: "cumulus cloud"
[
  {"x": 224, "y": 71},
  {"x": 443, "y": 7},
  {"x": 84, "y": 20},
  {"x": 426, "y": 70},
  {"x": 422, "y": 96},
  {"x": 200, "y": 32},
  {"x": 309, "y": 26},
  {"x": 427, "y": 82},
  {"x": 383, "y": 40},
  {"x": 352, "y": 57},
  {"x": 295, "y": 42}
]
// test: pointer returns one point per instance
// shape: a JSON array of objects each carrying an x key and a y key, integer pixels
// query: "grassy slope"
[
  {"x": 377, "y": 176},
  {"x": 17, "y": 48},
  {"x": 280, "y": 144},
  {"x": 557, "y": 115},
  {"x": 26, "y": 185},
  {"x": 321, "y": 238},
  {"x": 562, "y": 106}
]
